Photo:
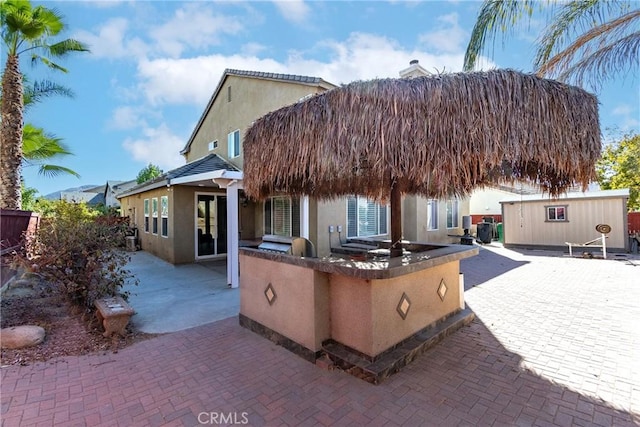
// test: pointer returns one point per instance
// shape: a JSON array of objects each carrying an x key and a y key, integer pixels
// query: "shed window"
[{"x": 556, "y": 213}]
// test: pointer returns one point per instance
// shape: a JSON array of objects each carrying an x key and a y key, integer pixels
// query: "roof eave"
[
  {"x": 144, "y": 187},
  {"x": 206, "y": 176}
]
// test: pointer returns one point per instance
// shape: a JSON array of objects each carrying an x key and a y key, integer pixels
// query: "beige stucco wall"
[
  {"x": 486, "y": 201},
  {"x": 153, "y": 243},
  {"x": 415, "y": 221},
  {"x": 179, "y": 246},
  {"x": 524, "y": 222},
  {"x": 251, "y": 98},
  {"x": 301, "y": 309},
  {"x": 363, "y": 312}
]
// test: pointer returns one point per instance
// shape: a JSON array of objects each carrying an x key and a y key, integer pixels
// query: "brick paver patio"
[{"x": 556, "y": 341}]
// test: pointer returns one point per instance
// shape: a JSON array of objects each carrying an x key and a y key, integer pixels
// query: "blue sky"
[{"x": 154, "y": 64}]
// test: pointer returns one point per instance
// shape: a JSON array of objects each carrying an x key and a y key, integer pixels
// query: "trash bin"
[
  {"x": 500, "y": 233},
  {"x": 484, "y": 234}
]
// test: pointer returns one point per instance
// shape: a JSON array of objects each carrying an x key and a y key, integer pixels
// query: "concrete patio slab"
[{"x": 172, "y": 298}]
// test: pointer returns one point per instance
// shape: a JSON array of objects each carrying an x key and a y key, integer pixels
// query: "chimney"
[{"x": 414, "y": 70}]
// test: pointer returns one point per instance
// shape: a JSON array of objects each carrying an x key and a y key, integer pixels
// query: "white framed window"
[
  {"x": 146, "y": 215},
  {"x": 282, "y": 216},
  {"x": 432, "y": 214},
  {"x": 365, "y": 217},
  {"x": 233, "y": 144},
  {"x": 453, "y": 213},
  {"x": 556, "y": 213},
  {"x": 164, "y": 216},
  {"x": 154, "y": 215},
  {"x": 213, "y": 145}
]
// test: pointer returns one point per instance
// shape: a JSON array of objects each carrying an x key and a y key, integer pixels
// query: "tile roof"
[
  {"x": 275, "y": 76},
  {"x": 207, "y": 163}
]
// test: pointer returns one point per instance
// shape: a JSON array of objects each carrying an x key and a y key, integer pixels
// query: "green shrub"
[{"x": 80, "y": 254}]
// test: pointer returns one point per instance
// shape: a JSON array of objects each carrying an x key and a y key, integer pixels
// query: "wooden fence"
[
  {"x": 14, "y": 224},
  {"x": 634, "y": 222}
]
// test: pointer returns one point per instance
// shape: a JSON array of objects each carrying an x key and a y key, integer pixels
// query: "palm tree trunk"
[{"x": 11, "y": 136}]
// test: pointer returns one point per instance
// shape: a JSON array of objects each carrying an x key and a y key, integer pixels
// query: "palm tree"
[
  {"x": 24, "y": 29},
  {"x": 585, "y": 41},
  {"x": 39, "y": 146}
]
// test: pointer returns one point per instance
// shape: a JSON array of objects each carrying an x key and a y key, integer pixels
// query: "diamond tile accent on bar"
[
  {"x": 442, "y": 289},
  {"x": 270, "y": 293},
  {"x": 403, "y": 306}
]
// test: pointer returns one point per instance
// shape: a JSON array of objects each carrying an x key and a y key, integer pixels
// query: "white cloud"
[
  {"x": 252, "y": 49},
  {"x": 127, "y": 117},
  {"x": 628, "y": 117},
  {"x": 449, "y": 36},
  {"x": 621, "y": 110},
  {"x": 193, "y": 26},
  {"x": 110, "y": 41},
  {"x": 158, "y": 146},
  {"x": 192, "y": 81},
  {"x": 296, "y": 11},
  {"x": 103, "y": 4},
  {"x": 367, "y": 56}
]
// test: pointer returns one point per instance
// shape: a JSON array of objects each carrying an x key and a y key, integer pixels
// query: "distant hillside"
[{"x": 56, "y": 195}]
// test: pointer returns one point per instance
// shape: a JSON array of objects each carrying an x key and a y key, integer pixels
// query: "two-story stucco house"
[{"x": 198, "y": 211}]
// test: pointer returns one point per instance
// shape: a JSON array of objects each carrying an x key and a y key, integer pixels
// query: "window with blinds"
[
  {"x": 164, "y": 214},
  {"x": 432, "y": 214},
  {"x": 365, "y": 217},
  {"x": 282, "y": 216},
  {"x": 154, "y": 215},
  {"x": 452, "y": 213},
  {"x": 146, "y": 215}
]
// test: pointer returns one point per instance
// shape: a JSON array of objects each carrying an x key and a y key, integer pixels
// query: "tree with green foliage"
[
  {"x": 39, "y": 146},
  {"x": 25, "y": 29},
  {"x": 583, "y": 41},
  {"x": 148, "y": 172},
  {"x": 619, "y": 167}
]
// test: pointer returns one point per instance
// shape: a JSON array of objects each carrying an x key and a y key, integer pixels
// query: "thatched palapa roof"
[{"x": 435, "y": 136}]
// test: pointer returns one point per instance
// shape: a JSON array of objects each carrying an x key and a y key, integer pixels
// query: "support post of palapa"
[{"x": 396, "y": 222}]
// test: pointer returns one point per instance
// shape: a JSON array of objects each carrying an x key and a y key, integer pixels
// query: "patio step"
[{"x": 375, "y": 370}]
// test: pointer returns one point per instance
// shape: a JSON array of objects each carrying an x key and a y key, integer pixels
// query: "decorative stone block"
[{"x": 114, "y": 314}]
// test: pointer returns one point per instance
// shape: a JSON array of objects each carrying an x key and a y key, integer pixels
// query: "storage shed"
[{"x": 540, "y": 221}]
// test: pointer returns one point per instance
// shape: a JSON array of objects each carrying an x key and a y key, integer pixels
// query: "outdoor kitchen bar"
[
  {"x": 369, "y": 317},
  {"x": 437, "y": 136}
]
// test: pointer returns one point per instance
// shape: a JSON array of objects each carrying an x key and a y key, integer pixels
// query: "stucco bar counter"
[{"x": 369, "y": 318}]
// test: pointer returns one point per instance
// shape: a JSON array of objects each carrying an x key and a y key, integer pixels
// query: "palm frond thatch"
[{"x": 434, "y": 136}]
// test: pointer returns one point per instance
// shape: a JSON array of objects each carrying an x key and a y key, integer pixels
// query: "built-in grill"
[{"x": 298, "y": 246}]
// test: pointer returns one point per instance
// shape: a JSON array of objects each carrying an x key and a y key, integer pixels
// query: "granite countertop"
[{"x": 376, "y": 268}]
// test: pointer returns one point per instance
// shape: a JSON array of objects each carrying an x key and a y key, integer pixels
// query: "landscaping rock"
[{"x": 21, "y": 336}]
